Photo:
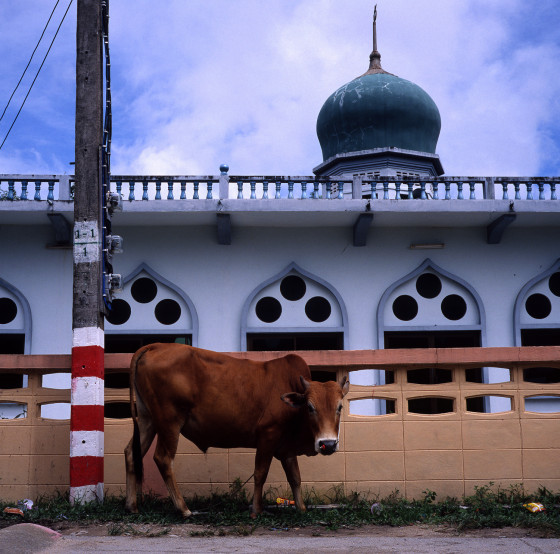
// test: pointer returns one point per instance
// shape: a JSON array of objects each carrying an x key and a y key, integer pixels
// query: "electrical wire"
[
  {"x": 30, "y": 59},
  {"x": 37, "y": 74}
]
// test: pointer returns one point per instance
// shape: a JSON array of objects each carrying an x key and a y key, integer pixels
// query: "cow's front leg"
[
  {"x": 291, "y": 468},
  {"x": 263, "y": 458}
]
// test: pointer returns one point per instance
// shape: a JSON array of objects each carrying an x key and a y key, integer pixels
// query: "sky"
[{"x": 198, "y": 83}]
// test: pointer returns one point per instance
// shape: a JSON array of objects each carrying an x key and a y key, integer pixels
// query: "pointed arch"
[
  {"x": 145, "y": 269},
  {"x": 26, "y": 327},
  {"x": 429, "y": 265},
  {"x": 518, "y": 324},
  {"x": 294, "y": 269}
]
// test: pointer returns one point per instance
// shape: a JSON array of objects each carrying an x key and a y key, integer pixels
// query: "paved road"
[{"x": 29, "y": 538}]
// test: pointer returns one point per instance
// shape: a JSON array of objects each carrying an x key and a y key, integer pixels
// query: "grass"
[{"x": 488, "y": 507}]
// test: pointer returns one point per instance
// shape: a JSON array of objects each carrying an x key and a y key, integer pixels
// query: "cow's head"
[{"x": 322, "y": 403}]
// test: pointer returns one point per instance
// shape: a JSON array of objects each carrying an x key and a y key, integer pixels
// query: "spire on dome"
[{"x": 375, "y": 56}]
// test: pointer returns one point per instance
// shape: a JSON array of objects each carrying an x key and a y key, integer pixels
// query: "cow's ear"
[
  {"x": 345, "y": 385},
  {"x": 294, "y": 399}
]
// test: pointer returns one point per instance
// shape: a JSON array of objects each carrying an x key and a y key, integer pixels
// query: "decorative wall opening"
[
  {"x": 431, "y": 405},
  {"x": 15, "y": 338},
  {"x": 150, "y": 309},
  {"x": 294, "y": 310},
  {"x": 430, "y": 308},
  {"x": 537, "y": 310}
]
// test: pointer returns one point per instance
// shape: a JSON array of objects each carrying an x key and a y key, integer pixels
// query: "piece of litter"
[
  {"x": 534, "y": 507},
  {"x": 376, "y": 507},
  {"x": 284, "y": 502},
  {"x": 25, "y": 504},
  {"x": 15, "y": 511}
]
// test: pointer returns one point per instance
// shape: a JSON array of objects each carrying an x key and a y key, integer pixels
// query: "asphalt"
[{"x": 30, "y": 538}]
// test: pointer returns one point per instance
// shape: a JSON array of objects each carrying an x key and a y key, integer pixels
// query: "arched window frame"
[
  {"x": 143, "y": 267},
  {"x": 293, "y": 267},
  {"x": 27, "y": 324},
  {"x": 429, "y": 265},
  {"x": 520, "y": 300}
]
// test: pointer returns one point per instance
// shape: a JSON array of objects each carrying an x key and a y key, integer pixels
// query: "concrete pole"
[{"x": 87, "y": 397}]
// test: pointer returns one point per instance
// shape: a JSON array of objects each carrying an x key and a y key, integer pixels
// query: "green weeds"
[{"x": 489, "y": 506}]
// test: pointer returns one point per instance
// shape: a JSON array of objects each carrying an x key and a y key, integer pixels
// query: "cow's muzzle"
[{"x": 327, "y": 446}]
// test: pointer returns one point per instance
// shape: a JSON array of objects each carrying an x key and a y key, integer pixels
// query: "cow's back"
[{"x": 218, "y": 400}]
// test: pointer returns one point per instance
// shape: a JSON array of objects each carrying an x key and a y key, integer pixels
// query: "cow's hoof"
[
  {"x": 131, "y": 510},
  {"x": 186, "y": 514}
]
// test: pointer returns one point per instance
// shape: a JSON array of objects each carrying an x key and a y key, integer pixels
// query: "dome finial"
[{"x": 375, "y": 56}]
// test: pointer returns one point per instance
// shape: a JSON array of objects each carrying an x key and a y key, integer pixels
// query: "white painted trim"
[
  {"x": 87, "y": 391},
  {"x": 87, "y": 493},
  {"x": 88, "y": 336},
  {"x": 86, "y": 443}
]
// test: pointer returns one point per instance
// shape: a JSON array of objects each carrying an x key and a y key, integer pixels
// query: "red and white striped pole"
[{"x": 87, "y": 397}]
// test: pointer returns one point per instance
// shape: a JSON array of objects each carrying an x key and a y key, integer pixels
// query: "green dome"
[{"x": 378, "y": 110}]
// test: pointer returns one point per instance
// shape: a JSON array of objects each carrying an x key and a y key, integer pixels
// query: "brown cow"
[{"x": 215, "y": 400}]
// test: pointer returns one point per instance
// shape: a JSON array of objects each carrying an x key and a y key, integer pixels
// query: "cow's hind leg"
[
  {"x": 291, "y": 468},
  {"x": 146, "y": 434},
  {"x": 164, "y": 455}
]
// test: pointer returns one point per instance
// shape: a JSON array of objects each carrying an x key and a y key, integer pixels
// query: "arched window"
[
  {"x": 15, "y": 338},
  {"x": 537, "y": 310},
  {"x": 294, "y": 310},
  {"x": 430, "y": 308},
  {"x": 150, "y": 309}
]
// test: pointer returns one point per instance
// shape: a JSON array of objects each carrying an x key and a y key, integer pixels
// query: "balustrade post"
[
  {"x": 240, "y": 190},
  {"x": 423, "y": 190},
  {"x": 303, "y": 190},
  {"x": 290, "y": 189},
  {"x": 265, "y": 190},
  {"x": 489, "y": 191},
  {"x": 253, "y": 185},
  {"x": 23, "y": 190},
  {"x": 50, "y": 194},
  {"x": 278, "y": 187},
  {"x": 541, "y": 191},
  {"x": 196, "y": 186},
  {"x": 398, "y": 190},
  {"x": 435, "y": 185},
  {"x": 223, "y": 189},
  {"x": 472, "y": 195},
  {"x": 385, "y": 190},
  {"x": 315, "y": 192},
  {"x": 410, "y": 190},
  {"x": 131, "y": 191},
  {"x": 11, "y": 190},
  {"x": 144, "y": 190},
  {"x": 209, "y": 190},
  {"x": 460, "y": 190},
  {"x": 553, "y": 190},
  {"x": 357, "y": 183},
  {"x": 529, "y": 191},
  {"x": 158, "y": 190},
  {"x": 64, "y": 192},
  {"x": 340, "y": 190},
  {"x": 183, "y": 190},
  {"x": 37, "y": 190},
  {"x": 169, "y": 190}
]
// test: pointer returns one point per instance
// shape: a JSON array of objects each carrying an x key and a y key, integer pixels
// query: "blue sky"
[{"x": 198, "y": 83}]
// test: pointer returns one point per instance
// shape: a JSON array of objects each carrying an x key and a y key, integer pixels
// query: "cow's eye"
[
  {"x": 339, "y": 409},
  {"x": 311, "y": 408}
]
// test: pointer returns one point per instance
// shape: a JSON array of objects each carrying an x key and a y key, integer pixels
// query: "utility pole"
[{"x": 87, "y": 398}]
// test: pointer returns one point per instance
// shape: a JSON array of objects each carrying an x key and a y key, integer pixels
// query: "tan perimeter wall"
[{"x": 449, "y": 453}]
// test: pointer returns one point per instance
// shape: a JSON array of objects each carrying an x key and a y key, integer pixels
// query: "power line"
[
  {"x": 29, "y": 62},
  {"x": 37, "y": 74}
]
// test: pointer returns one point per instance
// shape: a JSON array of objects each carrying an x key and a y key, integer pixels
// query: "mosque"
[{"x": 378, "y": 249}]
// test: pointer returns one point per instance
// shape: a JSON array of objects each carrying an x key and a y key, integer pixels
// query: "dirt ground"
[{"x": 190, "y": 530}]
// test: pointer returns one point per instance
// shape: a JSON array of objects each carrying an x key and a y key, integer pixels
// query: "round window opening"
[
  {"x": 8, "y": 310},
  {"x": 454, "y": 307},
  {"x": 428, "y": 285},
  {"x": 554, "y": 283},
  {"x": 293, "y": 287},
  {"x": 405, "y": 307},
  {"x": 318, "y": 309},
  {"x": 538, "y": 306},
  {"x": 120, "y": 312},
  {"x": 167, "y": 311},
  {"x": 268, "y": 309},
  {"x": 143, "y": 290}
]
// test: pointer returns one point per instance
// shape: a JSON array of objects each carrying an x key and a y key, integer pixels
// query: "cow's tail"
[{"x": 136, "y": 448}]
